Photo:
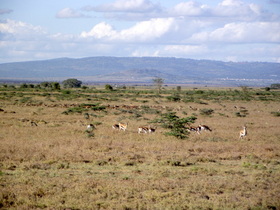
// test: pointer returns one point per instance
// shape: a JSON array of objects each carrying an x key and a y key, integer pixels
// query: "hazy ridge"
[{"x": 144, "y": 69}]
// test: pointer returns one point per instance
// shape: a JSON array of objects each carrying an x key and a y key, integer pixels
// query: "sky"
[{"x": 224, "y": 30}]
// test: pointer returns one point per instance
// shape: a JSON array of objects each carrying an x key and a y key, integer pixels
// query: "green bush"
[
  {"x": 72, "y": 83},
  {"x": 175, "y": 124},
  {"x": 206, "y": 112},
  {"x": 276, "y": 114},
  {"x": 108, "y": 87},
  {"x": 175, "y": 98}
]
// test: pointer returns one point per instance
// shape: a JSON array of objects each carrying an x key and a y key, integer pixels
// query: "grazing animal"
[
  {"x": 152, "y": 130},
  {"x": 194, "y": 129},
  {"x": 243, "y": 132},
  {"x": 90, "y": 127},
  {"x": 193, "y": 108},
  {"x": 33, "y": 123},
  {"x": 144, "y": 129},
  {"x": 123, "y": 126},
  {"x": 204, "y": 128},
  {"x": 239, "y": 107},
  {"x": 199, "y": 129},
  {"x": 116, "y": 126}
]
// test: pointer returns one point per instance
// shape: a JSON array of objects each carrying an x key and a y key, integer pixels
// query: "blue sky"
[{"x": 226, "y": 30}]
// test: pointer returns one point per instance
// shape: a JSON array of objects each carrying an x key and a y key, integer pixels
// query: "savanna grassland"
[{"x": 50, "y": 161}]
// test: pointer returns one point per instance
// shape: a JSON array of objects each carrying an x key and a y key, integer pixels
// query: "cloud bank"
[{"x": 231, "y": 30}]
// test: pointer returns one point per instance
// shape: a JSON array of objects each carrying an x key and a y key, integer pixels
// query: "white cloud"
[
  {"x": 231, "y": 3},
  {"x": 236, "y": 8},
  {"x": 147, "y": 30},
  {"x": 125, "y": 6},
  {"x": 101, "y": 30},
  {"x": 21, "y": 29},
  {"x": 242, "y": 32},
  {"x": 142, "y": 31},
  {"x": 189, "y": 8},
  {"x": 69, "y": 13},
  {"x": 189, "y": 29}
]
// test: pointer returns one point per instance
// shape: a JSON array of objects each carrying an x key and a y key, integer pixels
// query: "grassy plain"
[{"x": 58, "y": 165}]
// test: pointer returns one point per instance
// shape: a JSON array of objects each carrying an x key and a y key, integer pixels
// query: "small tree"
[
  {"x": 55, "y": 86},
  {"x": 275, "y": 86},
  {"x": 108, "y": 87},
  {"x": 30, "y": 85},
  {"x": 175, "y": 124},
  {"x": 72, "y": 83},
  {"x": 45, "y": 85},
  {"x": 24, "y": 85},
  {"x": 158, "y": 83},
  {"x": 178, "y": 88}
]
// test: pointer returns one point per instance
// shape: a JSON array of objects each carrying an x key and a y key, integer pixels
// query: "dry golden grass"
[{"x": 57, "y": 165}]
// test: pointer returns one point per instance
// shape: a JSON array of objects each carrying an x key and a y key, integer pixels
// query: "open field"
[{"x": 58, "y": 165}]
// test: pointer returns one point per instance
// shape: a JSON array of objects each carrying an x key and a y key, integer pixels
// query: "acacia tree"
[
  {"x": 108, "y": 87},
  {"x": 175, "y": 124},
  {"x": 50, "y": 85},
  {"x": 72, "y": 83},
  {"x": 158, "y": 83}
]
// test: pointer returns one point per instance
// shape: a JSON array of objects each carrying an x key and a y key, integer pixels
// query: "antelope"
[
  {"x": 193, "y": 108},
  {"x": 199, "y": 128},
  {"x": 239, "y": 107},
  {"x": 123, "y": 126},
  {"x": 243, "y": 132},
  {"x": 90, "y": 127},
  {"x": 195, "y": 129},
  {"x": 144, "y": 129},
  {"x": 152, "y": 130},
  {"x": 33, "y": 123},
  {"x": 204, "y": 128},
  {"x": 116, "y": 126}
]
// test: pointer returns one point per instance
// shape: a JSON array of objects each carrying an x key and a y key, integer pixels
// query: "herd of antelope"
[{"x": 148, "y": 129}]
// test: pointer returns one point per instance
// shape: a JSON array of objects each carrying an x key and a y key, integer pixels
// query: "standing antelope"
[
  {"x": 123, "y": 126},
  {"x": 243, "y": 132},
  {"x": 144, "y": 129}
]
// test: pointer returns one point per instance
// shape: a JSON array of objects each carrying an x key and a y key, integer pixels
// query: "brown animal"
[
  {"x": 243, "y": 132},
  {"x": 123, "y": 126}
]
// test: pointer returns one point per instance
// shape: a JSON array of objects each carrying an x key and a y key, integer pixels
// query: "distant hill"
[{"x": 143, "y": 70}]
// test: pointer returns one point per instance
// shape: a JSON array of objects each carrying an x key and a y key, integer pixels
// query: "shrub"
[
  {"x": 108, "y": 87},
  {"x": 179, "y": 88},
  {"x": 24, "y": 85},
  {"x": 206, "y": 112},
  {"x": 95, "y": 107},
  {"x": 72, "y": 83},
  {"x": 276, "y": 114},
  {"x": 267, "y": 88},
  {"x": 55, "y": 85},
  {"x": 275, "y": 86},
  {"x": 66, "y": 92},
  {"x": 175, "y": 124},
  {"x": 175, "y": 98}
]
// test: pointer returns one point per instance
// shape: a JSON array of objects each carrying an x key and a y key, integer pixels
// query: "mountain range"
[{"x": 144, "y": 70}]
